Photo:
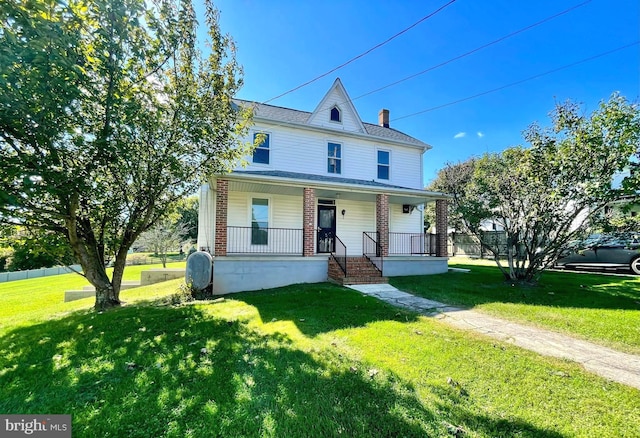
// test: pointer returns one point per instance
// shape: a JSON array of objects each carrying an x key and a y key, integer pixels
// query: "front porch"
[
  {"x": 271, "y": 230},
  {"x": 278, "y": 259}
]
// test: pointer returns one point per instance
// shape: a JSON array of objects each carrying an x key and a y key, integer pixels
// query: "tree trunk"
[
  {"x": 106, "y": 297},
  {"x": 119, "y": 264},
  {"x": 94, "y": 271}
]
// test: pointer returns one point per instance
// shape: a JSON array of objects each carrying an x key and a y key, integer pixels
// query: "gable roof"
[
  {"x": 336, "y": 96},
  {"x": 289, "y": 116}
]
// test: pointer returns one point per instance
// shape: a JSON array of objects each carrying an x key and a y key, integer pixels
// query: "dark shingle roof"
[{"x": 281, "y": 114}]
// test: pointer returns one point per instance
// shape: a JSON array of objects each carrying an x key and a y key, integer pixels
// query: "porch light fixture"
[{"x": 343, "y": 212}]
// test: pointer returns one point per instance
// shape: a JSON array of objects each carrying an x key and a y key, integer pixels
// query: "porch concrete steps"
[{"x": 359, "y": 270}]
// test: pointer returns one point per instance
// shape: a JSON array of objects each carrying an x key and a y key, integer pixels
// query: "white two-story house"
[{"x": 325, "y": 195}]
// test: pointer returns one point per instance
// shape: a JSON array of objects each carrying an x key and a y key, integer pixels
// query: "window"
[
  {"x": 259, "y": 221},
  {"x": 335, "y": 114},
  {"x": 334, "y": 158},
  {"x": 261, "y": 153},
  {"x": 383, "y": 164}
]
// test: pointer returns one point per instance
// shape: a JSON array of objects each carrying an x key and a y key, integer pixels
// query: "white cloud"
[
  {"x": 480, "y": 134},
  {"x": 460, "y": 135}
]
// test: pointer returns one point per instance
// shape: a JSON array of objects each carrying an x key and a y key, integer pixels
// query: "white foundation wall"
[{"x": 239, "y": 274}]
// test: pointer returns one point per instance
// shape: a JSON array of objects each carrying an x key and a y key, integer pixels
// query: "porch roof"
[{"x": 292, "y": 183}]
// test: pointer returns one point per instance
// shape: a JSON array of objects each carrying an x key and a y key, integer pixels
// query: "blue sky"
[{"x": 282, "y": 44}]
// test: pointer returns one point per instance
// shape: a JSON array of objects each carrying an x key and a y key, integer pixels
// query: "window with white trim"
[
  {"x": 259, "y": 221},
  {"x": 261, "y": 152},
  {"x": 334, "y": 158},
  {"x": 383, "y": 164}
]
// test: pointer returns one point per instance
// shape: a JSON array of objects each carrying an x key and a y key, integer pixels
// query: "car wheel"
[{"x": 635, "y": 265}]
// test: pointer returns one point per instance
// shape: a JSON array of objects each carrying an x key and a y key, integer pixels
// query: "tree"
[
  {"x": 34, "y": 249},
  {"x": 547, "y": 194},
  {"x": 187, "y": 211},
  {"x": 109, "y": 113},
  {"x": 163, "y": 237}
]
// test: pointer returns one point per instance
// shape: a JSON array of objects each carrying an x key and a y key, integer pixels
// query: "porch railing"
[
  {"x": 255, "y": 240},
  {"x": 371, "y": 248},
  {"x": 340, "y": 254},
  {"x": 412, "y": 243}
]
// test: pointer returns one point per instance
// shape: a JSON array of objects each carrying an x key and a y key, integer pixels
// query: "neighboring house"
[{"x": 324, "y": 193}]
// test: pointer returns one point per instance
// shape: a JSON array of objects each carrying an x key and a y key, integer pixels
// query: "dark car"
[{"x": 619, "y": 251}]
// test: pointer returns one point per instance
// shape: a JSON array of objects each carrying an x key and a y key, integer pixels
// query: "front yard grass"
[
  {"x": 37, "y": 299},
  {"x": 601, "y": 308},
  {"x": 304, "y": 360}
]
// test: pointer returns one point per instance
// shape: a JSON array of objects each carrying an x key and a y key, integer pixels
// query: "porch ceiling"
[{"x": 333, "y": 191}]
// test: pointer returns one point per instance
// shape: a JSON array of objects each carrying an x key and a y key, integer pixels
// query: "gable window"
[
  {"x": 334, "y": 160},
  {"x": 383, "y": 164},
  {"x": 261, "y": 153},
  {"x": 335, "y": 114},
  {"x": 259, "y": 221}
]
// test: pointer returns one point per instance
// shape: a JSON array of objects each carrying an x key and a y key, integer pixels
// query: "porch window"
[
  {"x": 383, "y": 165},
  {"x": 261, "y": 153},
  {"x": 334, "y": 158},
  {"x": 259, "y": 221}
]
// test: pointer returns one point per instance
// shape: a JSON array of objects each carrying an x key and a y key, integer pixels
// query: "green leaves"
[
  {"x": 546, "y": 194},
  {"x": 113, "y": 106}
]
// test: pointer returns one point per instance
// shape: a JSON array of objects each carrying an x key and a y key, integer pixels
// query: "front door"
[{"x": 326, "y": 228}]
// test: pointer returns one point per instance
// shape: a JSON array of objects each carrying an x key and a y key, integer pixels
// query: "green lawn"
[
  {"x": 600, "y": 308},
  {"x": 27, "y": 301},
  {"x": 306, "y": 360}
]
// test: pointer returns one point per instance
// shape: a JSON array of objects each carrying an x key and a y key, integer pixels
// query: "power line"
[
  {"x": 477, "y": 49},
  {"x": 426, "y": 17},
  {"x": 591, "y": 58}
]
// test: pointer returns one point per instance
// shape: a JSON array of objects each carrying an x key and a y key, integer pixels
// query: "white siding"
[
  {"x": 305, "y": 151},
  {"x": 405, "y": 231},
  {"x": 285, "y": 213},
  {"x": 206, "y": 218},
  {"x": 349, "y": 122},
  {"x": 358, "y": 217},
  {"x": 400, "y": 222}
]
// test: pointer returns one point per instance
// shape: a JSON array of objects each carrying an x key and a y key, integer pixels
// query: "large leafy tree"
[
  {"x": 546, "y": 194},
  {"x": 187, "y": 216},
  {"x": 109, "y": 113}
]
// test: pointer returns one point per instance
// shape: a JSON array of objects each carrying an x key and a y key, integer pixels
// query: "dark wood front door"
[{"x": 326, "y": 228}]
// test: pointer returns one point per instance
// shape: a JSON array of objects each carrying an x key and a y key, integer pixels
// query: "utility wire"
[
  {"x": 591, "y": 58},
  {"x": 426, "y": 17},
  {"x": 477, "y": 49}
]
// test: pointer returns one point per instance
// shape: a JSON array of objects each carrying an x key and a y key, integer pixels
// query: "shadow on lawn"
[
  {"x": 313, "y": 307},
  {"x": 141, "y": 371},
  {"x": 484, "y": 284}
]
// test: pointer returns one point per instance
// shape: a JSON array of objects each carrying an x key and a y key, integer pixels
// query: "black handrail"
[
  {"x": 255, "y": 240},
  {"x": 371, "y": 248},
  {"x": 412, "y": 243},
  {"x": 340, "y": 254}
]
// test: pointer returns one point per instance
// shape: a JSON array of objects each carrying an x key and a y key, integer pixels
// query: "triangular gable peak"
[{"x": 336, "y": 111}]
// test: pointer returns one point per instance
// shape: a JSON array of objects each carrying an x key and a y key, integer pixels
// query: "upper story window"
[
  {"x": 383, "y": 164},
  {"x": 261, "y": 153},
  {"x": 335, "y": 115},
  {"x": 334, "y": 160}
]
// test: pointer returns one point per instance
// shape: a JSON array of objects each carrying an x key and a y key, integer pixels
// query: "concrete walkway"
[{"x": 614, "y": 365}]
